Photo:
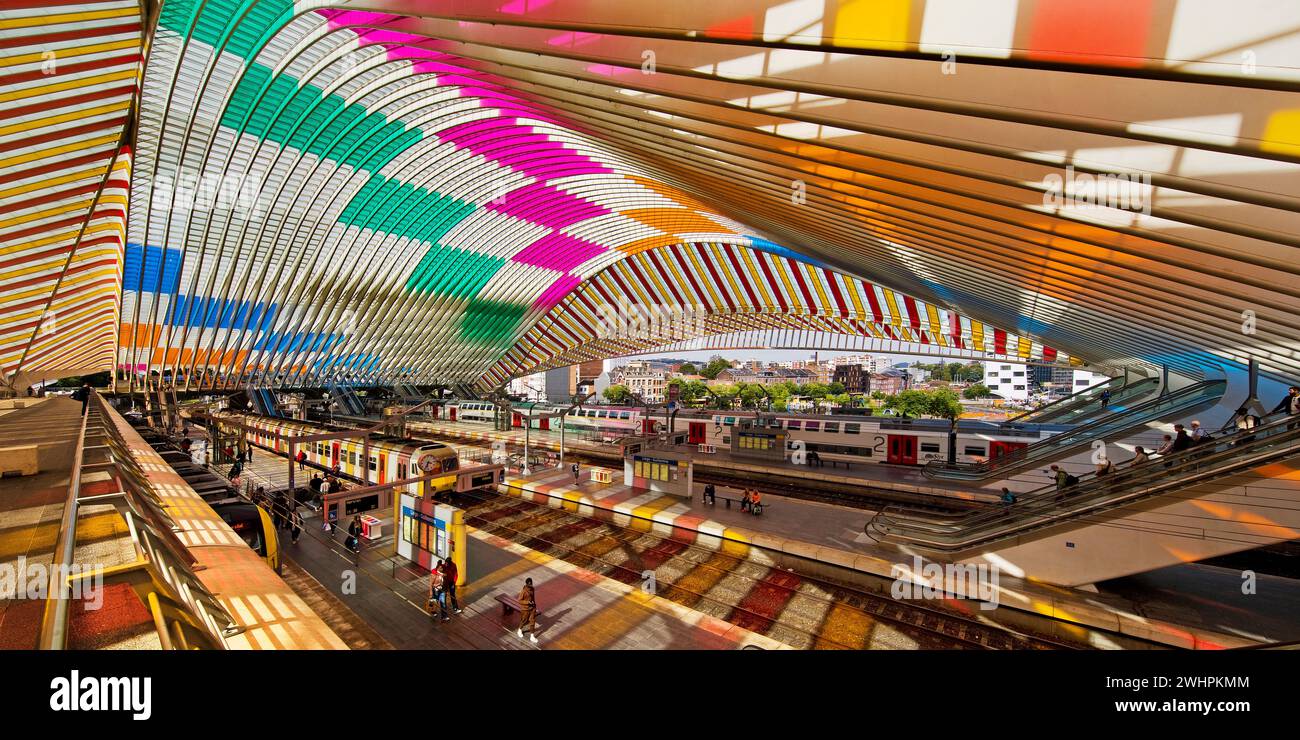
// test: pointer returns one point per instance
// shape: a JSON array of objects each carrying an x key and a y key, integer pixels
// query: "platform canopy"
[{"x": 469, "y": 191}]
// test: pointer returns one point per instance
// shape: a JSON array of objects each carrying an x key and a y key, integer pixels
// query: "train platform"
[
  {"x": 1210, "y": 618},
  {"x": 579, "y": 609},
  {"x": 898, "y": 478}
]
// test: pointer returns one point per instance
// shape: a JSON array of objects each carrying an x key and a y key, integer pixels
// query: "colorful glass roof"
[{"x": 446, "y": 191}]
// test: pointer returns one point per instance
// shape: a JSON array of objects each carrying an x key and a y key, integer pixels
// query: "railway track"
[{"x": 796, "y": 609}]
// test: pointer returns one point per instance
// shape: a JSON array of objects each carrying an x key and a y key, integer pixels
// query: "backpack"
[{"x": 1071, "y": 480}]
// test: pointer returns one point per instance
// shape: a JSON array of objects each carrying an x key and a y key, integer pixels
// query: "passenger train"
[
  {"x": 848, "y": 438},
  {"x": 390, "y": 459}
]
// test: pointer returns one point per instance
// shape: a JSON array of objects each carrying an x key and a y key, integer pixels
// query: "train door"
[
  {"x": 382, "y": 473},
  {"x": 902, "y": 449},
  {"x": 516, "y": 421},
  {"x": 698, "y": 434},
  {"x": 334, "y": 452},
  {"x": 998, "y": 449},
  {"x": 543, "y": 423},
  {"x": 647, "y": 426},
  {"x": 435, "y": 410},
  {"x": 451, "y": 413}
]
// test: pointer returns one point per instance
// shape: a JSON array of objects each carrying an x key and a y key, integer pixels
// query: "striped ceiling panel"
[
  {"x": 318, "y": 194},
  {"x": 685, "y": 291},
  {"x": 1118, "y": 178},
  {"x": 68, "y": 72}
]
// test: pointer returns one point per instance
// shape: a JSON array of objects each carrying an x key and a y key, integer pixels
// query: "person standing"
[
  {"x": 438, "y": 591},
  {"x": 301, "y": 457},
  {"x": 1290, "y": 405},
  {"x": 296, "y": 530},
  {"x": 449, "y": 575},
  {"x": 576, "y": 472},
  {"x": 83, "y": 394},
  {"x": 1140, "y": 457},
  {"x": 528, "y": 611},
  {"x": 354, "y": 536}
]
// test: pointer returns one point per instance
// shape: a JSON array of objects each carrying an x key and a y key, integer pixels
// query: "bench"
[
  {"x": 510, "y": 604},
  {"x": 758, "y": 508}
]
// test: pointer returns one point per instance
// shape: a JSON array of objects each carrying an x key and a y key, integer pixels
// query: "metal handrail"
[
  {"x": 54, "y": 621},
  {"x": 1067, "y": 399},
  {"x": 1088, "y": 409},
  {"x": 1051, "y": 505},
  {"x": 1081, "y": 435},
  {"x": 153, "y": 530}
]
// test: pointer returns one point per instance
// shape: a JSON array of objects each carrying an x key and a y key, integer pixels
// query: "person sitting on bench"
[
  {"x": 710, "y": 494},
  {"x": 755, "y": 502}
]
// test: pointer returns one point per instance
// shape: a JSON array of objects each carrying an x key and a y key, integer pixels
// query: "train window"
[
  {"x": 625, "y": 414},
  {"x": 793, "y": 424},
  {"x": 372, "y": 463},
  {"x": 352, "y": 458},
  {"x": 729, "y": 421},
  {"x": 975, "y": 450},
  {"x": 832, "y": 427},
  {"x": 852, "y": 428},
  {"x": 812, "y": 426},
  {"x": 929, "y": 447}
]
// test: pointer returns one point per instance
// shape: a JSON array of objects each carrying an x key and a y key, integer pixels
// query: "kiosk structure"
[
  {"x": 660, "y": 463},
  {"x": 428, "y": 532}
]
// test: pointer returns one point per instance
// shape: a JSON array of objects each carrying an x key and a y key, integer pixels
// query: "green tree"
[
  {"x": 618, "y": 394},
  {"x": 943, "y": 404},
  {"x": 752, "y": 396},
  {"x": 688, "y": 368},
  {"x": 716, "y": 365},
  {"x": 836, "y": 387},
  {"x": 909, "y": 404},
  {"x": 978, "y": 390}
]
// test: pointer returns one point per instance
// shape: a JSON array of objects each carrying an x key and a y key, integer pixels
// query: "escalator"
[
  {"x": 1180, "y": 402},
  {"x": 1086, "y": 405},
  {"x": 1079, "y": 504}
]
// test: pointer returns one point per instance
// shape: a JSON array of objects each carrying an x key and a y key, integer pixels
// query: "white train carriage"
[{"x": 867, "y": 440}]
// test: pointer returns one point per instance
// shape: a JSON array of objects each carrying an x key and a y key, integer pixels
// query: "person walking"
[
  {"x": 354, "y": 536},
  {"x": 528, "y": 611},
  {"x": 438, "y": 591},
  {"x": 449, "y": 575},
  {"x": 1105, "y": 399},
  {"x": 301, "y": 457},
  {"x": 83, "y": 394},
  {"x": 295, "y": 530}
]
